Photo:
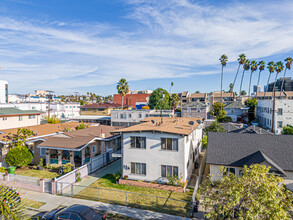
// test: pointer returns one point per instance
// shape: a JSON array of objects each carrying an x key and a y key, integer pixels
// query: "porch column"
[
  {"x": 71, "y": 155},
  {"x": 47, "y": 157},
  {"x": 82, "y": 156},
  {"x": 59, "y": 153}
]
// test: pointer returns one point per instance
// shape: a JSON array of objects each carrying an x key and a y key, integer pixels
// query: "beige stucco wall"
[{"x": 14, "y": 122}]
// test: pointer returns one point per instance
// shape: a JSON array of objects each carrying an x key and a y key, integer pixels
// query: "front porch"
[{"x": 60, "y": 157}]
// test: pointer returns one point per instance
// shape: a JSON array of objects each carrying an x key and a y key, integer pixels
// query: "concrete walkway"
[
  {"x": 111, "y": 168},
  {"x": 53, "y": 201}
]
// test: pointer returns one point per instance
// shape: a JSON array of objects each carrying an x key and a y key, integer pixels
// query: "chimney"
[{"x": 102, "y": 135}]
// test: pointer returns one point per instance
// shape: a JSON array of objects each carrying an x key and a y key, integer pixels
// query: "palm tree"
[
  {"x": 123, "y": 89},
  {"x": 241, "y": 60},
  {"x": 262, "y": 66},
  {"x": 231, "y": 88},
  {"x": 279, "y": 68},
  {"x": 289, "y": 61},
  {"x": 271, "y": 66},
  {"x": 246, "y": 66},
  {"x": 253, "y": 67},
  {"x": 223, "y": 59}
]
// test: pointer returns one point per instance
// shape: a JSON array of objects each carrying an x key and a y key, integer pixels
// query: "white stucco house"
[
  {"x": 237, "y": 111},
  {"x": 236, "y": 150},
  {"x": 161, "y": 146}
]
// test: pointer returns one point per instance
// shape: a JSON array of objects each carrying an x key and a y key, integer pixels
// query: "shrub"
[
  {"x": 81, "y": 126},
  {"x": 41, "y": 163},
  {"x": 78, "y": 178},
  {"x": 52, "y": 120},
  {"x": 68, "y": 168},
  {"x": 2, "y": 170},
  {"x": 117, "y": 175},
  {"x": 19, "y": 156}
]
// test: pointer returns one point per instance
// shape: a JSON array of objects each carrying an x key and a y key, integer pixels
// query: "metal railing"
[{"x": 132, "y": 199}]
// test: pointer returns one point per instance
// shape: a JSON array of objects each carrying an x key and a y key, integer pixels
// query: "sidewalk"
[{"x": 53, "y": 201}]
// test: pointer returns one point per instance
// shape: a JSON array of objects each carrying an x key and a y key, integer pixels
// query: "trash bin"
[{"x": 11, "y": 170}]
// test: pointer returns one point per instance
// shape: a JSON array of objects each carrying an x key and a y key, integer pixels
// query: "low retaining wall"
[{"x": 152, "y": 185}]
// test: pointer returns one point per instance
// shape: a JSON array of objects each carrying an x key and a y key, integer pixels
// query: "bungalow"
[
  {"x": 236, "y": 150},
  {"x": 40, "y": 131},
  {"x": 159, "y": 147},
  {"x": 78, "y": 146},
  {"x": 237, "y": 111}
]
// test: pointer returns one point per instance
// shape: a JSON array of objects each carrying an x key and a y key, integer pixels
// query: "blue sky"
[{"x": 88, "y": 45}]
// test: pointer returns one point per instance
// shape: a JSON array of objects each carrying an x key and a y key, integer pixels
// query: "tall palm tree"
[
  {"x": 223, "y": 59},
  {"x": 253, "y": 67},
  {"x": 262, "y": 66},
  {"x": 241, "y": 60},
  {"x": 271, "y": 66},
  {"x": 289, "y": 61},
  {"x": 279, "y": 68},
  {"x": 246, "y": 66},
  {"x": 123, "y": 89}
]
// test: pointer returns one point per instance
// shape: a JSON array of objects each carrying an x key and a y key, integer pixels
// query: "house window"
[
  {"x": 123, "y": 116},
  {"x": 20, "y": 118},
  {"x": 31, "y": 116},
  {"x": 129, "y": 115},
  {"x": 4, "y": 119},
  {"x": 138, "y": 142},
  {"x": 169, "y": 171},
  {"x": 169, "y": 144},
  {"x": 188, "y": 110},
  {"x": 280, "y": 111},
  {"x": 198, "y": 109},
  {"x": 230, "y": 170},
  {"x": 280, "y": 124},
  {"x": 139, "y": 115},
  {"x": 138, "y": 168},
  {"x": 43, "y": 152},
  {"x": 33, "y": 107},
  {"x": 94, "y": 148}
]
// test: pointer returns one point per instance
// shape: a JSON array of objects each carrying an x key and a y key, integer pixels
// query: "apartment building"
[
  {"x": 283, "y": 114},
  {"x": 195, "y": 110},
  {"x": 100, "y": 108},
  {"x": 136, "y": 100},
  {"x": 159, "y": 147},
  {"x": 125, "y": 118},
  {"x": 3, "y": 91}
]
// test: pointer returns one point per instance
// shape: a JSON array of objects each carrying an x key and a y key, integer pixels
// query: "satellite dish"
[
  {"x": 191, "y": 123},
  {"x": 198, "y": 121}
]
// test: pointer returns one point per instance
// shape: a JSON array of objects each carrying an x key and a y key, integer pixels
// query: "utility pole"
[
  {"x": 76, "y": 93},
  {"x": 49, "y": 106},
  {"x": 162, "y": 96}
]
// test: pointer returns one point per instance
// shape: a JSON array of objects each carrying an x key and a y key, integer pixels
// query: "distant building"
[
  {"x": 133, "y": 100},
  {"x": 283, "y": 114},
  {"x": 195, "y": 110},
  {"x": 237, "y": 112},
  {"x": 256, "y": 88},
  {"x": 100, "y": 108},
  {"x": 3, "y": 91},
  {"x": 15, "y": 118},
  {"x": 125, "y": 118},
  {"x": 288, "y": 84},
  {"x": 41, "y": 92}
]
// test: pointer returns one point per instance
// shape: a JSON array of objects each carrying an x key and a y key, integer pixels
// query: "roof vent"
[
  {"x": 198, "y": 121},
  {"x": 191, "y": 123},
  {"x": 153, "y": 122}
]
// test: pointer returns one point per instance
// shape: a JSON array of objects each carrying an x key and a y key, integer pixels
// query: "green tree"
[
  {"x": 223, "y": 59},
  {"x": 123, "y": 89},
  {"x": 19, "y": 139},
  {"x": 82, "y": 126},
  {"x": 231, "y": 87},
  {"x": 241, "y": 61},
  {"x": 52, "y": 120},
  {"x": 155, "y": 99},
  {"x": 288, "y": 61},
  {"x": 217, "y": 108},
  {"x": 204, "y": 141},
  {"x": 222, "y": 116},
  {"x": 197, "y": 91},
  {"x": 257, "y": 194},
  {"x": 251, "y": 103},
  {"x": 19, "y": 156},
  {"x": 214, "y": 127},
  {"x": 246, "y": 66},
  {"x": 243, "y": 92},
  {"x": 174, "y": 101},
  {"x": 253, "y": 67},
  {"x": 287, "y": 130}
]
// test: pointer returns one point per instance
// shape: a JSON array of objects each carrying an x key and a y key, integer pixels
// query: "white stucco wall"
[
  {"x": 14, "y": 122},
  {"x": 153, "y": 156}
]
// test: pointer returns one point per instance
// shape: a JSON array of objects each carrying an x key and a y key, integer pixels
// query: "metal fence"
[{"x": 132, "y": 199}]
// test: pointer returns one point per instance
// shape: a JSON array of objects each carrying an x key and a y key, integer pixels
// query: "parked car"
[
  {"x": 10, "y": 196},
  {"x": 75, "y": 212}
]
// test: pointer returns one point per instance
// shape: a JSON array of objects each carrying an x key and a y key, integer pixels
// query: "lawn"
[
  {"x": 36, "y": 173},
  {"x": 135, "y": 200},
  {"x": 32, "y": 204}
]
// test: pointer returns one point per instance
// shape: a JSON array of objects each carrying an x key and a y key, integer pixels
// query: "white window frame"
[
  {"x": 94, "y": 148},
  {"x": 164, "y": 144}
]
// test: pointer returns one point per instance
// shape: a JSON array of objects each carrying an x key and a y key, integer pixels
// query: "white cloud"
[{"x": 171, "y": 39}]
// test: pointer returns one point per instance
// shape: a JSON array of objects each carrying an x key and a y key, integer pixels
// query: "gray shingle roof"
[
  {"x": 236, "y": 149},
  {"x": 194, "y": 105},
  {"x": 235, "y": 105},
  {"x": 230, "y": 128},
  {"x": 16, "y": 111}
]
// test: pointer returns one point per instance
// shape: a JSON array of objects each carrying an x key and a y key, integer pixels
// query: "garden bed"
[{"x": 152, "y": 185}]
